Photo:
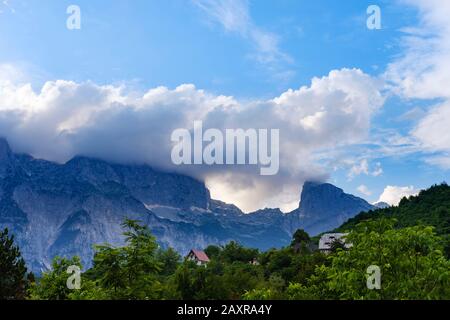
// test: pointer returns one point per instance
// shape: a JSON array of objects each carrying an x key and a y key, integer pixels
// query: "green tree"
[
  {"x": 13, "y": 272},
  {"x": 109, "y": 269},
  {"x": 130, "y": 272},
  {"x": 184, "y": 281},
  {"x": 300, "y": 237},
  {"x": 239, "y": 277},
  {"x": 220, "y": 279},
  {"x": 53, "y": 284},
  {"x": 169, "y": 260},
  {"x": 259, "y": 294},
  {"x": 411, "y": 261},
  {"x": 234, "y": 251},
  {"x": 213, "y": 252},
  {"x": 337, "y": 244}
]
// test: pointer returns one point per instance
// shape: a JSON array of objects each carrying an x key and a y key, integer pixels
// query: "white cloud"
[
  {"x": 433, "y": 130},
  {"x": 442, "y": 161},
  {"x": 10, "y": 74},
  {"x": 65, "y": 118},
  {"x": 358, "y": 169},
  {"x": 5, "y": 5},
  {"x": 362, "y": 167},
  {"x": 414, "y": 114},
  {"x": 423, "y": 72},
  {"x": 363, "y": 189},
  {"x": 393, "y": 194},
  {"x": 234, "y": 16},
  {"x": 378, "y": 171}
]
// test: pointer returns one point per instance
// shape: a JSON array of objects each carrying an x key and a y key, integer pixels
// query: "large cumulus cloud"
[{"x": 64, "y": 118}]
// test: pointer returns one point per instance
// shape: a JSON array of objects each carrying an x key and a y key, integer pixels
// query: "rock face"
[
  {"x": 324, "y": 207},
  {"x": 55, "y": 209},
  {"x": 6, "y": 159},
  {"x": 381, "y": 205}
]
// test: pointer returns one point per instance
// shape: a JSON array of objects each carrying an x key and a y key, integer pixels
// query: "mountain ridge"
[
  {"x": 63, "y": 209},
  {"x": 430, "y": 207}
]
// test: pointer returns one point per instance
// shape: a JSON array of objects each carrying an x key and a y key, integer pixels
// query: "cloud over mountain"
[
  {"x": 393, "y": 194},
  {"x": 65, "y": 118}
]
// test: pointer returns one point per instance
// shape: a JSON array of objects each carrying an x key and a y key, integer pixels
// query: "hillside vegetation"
[
  {"x": 430, "y": 207},
  {"x": 405, "y": 243}
]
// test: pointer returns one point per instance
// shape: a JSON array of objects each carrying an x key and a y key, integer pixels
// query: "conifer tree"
[{"x": 13, "y": 272}]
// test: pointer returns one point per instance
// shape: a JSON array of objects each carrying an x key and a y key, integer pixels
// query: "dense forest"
[
  {"x": 430, "y": 207},
  {"x": 407, "y": 243}
]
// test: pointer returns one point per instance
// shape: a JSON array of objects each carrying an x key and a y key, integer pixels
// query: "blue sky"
[
  {"x": 173, "y": 42},
  {"x": 254, "y": 51}
]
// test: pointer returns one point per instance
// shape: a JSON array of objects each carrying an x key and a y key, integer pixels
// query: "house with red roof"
[{"x": 198, "y": 256}]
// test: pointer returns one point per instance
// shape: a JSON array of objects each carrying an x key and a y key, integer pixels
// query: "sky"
[{"x": 365, "y": 109}]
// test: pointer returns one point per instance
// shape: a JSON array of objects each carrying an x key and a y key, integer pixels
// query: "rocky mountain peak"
[
  {"x": 325, "y": 205},
  {"x": 5, "y": 150},
  {"x": 313, "y": 191},
  {"x": 64, "y": 209},
  {"x": 6, "y": 158}
]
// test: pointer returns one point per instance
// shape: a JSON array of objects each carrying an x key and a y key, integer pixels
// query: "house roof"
[{"x": 200, "y": 255}]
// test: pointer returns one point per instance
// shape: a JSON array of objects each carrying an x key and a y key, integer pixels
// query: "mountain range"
[{"x": 64, "y": 209}]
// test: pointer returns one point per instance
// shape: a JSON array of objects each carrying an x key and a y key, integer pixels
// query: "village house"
[
  {"x": 198, "y": 256},
  {"x": 327, "y": 239}
]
